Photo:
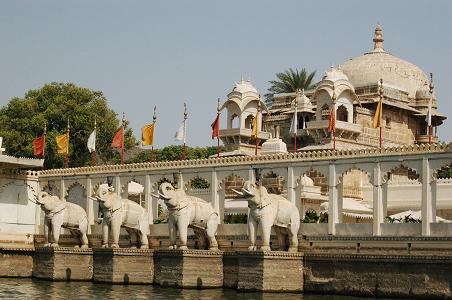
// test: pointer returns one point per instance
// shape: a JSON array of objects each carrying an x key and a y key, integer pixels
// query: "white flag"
[
  {"x": 294, "y": 123},
  {"x": 180, "y": 133},
  {"x": 92, "y": 142},
  {"x": 428, "y": 117}
]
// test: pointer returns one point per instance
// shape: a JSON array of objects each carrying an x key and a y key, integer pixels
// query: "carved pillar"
[
  {"x": 378, "y": 210},
  {"x": 291, "y": 185},
  {"x": 118, "y": 185},
  {"x": 340, "y": 201},
  {"x": 89, "y": 203},
  {"x": 385, "y": 187},
  {"x": 221, "y": 193},
  {"x": 148, "y": 198},
  {"x": 434, "y": 189},
  {"x": 333, "y": 213},
  {"x": 215, "y": 197},
  {"x": 62, "y": 189},
  {"x": 426, "y": 197}
]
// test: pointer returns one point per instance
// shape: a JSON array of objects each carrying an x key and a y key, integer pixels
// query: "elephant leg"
[
  {"x": 104, "y": 235},
  {"x": 265, "y": 226},
  {"x": 144, "y": 242},
  {"x": 56, "y": 229},
  {"x": 182, "y": 227},
  {"x": 281, "y": 238},
  {"x": 212, "y": 224},
  {"x": 47, "y": 233},
  {"x": 252, "y": 231},
  {"x": 293, "y": 232},
  {"x": 115, "y": 231},
  {"x": 83, "y": 229},
  {"x": 172, "y": 233}
]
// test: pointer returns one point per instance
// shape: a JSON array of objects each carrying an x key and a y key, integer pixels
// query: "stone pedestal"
[
  {"x": 16, "y": 262},
  {"x": 123, "y": 265},
  {"x": 230, "y": 269},
  {"x": 189, "y": 268},
  {"x": 63, "y": 263},
  {"x": 272, "y": 271}
]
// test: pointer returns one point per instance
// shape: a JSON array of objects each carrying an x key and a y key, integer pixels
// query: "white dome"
[
  {"x": 244, "y": 86},
  {"x": 334, "y": 74},
  {"x": 369, "y": 68},
  {"x": 306, "y": 181}
]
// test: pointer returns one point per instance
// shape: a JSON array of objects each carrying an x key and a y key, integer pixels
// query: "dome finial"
[{"x": 378, "y": 39}]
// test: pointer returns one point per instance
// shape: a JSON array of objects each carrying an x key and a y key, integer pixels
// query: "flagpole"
[
  {"x": 67, "y": 145},
  {"x": 295, "y": 124},
  {"x": 154, "y": 119},
  {"x": 257, "y": 124},
  {"x": 218, "y": 118},
  {"x": 430, "y": 129},
  {"x": 122, "y": 141},
  {"x": 94, "y": 156},
  {"x": 185, "y": 130},
  {"x": 44, "y": 146},
  {"x": 380, "y": 91},
  {"x": 333, "y": 131}
]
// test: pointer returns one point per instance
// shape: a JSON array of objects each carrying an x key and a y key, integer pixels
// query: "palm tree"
[{"x": 288, "y": 82}]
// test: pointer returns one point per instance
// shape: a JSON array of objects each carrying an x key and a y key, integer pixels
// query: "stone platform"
[
  {"x": 16, "y": 262},
  {"x": 189, "y": 268},
  {"x": 123, "y": 265},
  {"x": 63, "y": 263},
  {"x": 270, "y": 271}
]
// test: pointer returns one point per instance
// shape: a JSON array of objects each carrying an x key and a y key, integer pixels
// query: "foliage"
[
  {"x": 288, "y": 82},
  {"x": 162, "y": 215},
  {"x": 199, "y": 183},
  {"x": 406, "y": 219},
  {"x": 235, "y": 219},
  {"x": 445, "y": 173},
  {"x": 175, "y": 152},
  {"x": 311, "y": 216},
  {"x": 22, "y": 119}
]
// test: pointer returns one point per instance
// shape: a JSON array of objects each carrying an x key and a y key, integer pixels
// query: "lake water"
[{"x": 38, "y": 289}]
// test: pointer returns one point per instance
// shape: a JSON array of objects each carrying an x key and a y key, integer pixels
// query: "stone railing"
[
  {"x": 243, "y": 132},
  {"x": 308, "y": 156},
  {"x": 340, "y": 125}
]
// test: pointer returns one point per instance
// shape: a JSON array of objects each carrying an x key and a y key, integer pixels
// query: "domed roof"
[
  {"x": 367, "y": 69},
  {"x": 306, "y": 181},
  {"x": 244, "y": 86},
  {"x": 334, "y": 74}
]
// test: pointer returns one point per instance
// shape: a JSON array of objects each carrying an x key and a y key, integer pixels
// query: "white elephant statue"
[
  {"x": 64, "y": 214},
  {"x": 268, "y": 210},
  {"x": 117, "y": 213},
  {"x": 187, "y": 211}
]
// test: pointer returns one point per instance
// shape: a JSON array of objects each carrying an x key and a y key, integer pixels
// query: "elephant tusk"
[
  {"x": 248, "y": 192},
  {"x": 155, "y": 196},
  {"x": 163, "y": 196},
  {"x": 237, "y": 192}
]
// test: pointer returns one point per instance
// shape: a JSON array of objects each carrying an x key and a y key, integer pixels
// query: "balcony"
[
  {"x": 244, "y": 132},
  {"x": 345, "y": 130}
]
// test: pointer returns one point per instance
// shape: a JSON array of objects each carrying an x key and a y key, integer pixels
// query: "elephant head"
[
  {"x": 173, "y": 198},
  {"x": 48, "y": 202},
  {"x": 107, "y": 197},
  {"x": 258, "y": 195}
]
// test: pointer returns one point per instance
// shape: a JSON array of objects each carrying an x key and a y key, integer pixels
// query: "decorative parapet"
[{"x": 307, "y": 156}]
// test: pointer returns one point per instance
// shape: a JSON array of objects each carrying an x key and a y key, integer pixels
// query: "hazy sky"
[{"x": 143, "y": 53}]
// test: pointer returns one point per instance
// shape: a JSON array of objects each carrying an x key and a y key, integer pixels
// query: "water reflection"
[{"x": 40, "y": 289}]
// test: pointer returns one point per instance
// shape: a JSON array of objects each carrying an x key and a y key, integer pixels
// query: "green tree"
[
  {"x": 288, "y": 82},
  {"x": 22, "y": 119},
  {"x": 175, "y": 152}
]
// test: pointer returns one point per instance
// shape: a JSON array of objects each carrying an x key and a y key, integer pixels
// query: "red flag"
[
  {"x": 332, "y": 122},
  {"x": 118, "y": 139},
  {"x": 216, "y": 127},
  {"x": 38, "y": 145}
]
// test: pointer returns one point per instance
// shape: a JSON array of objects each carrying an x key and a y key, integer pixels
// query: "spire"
[{"x": 378, "y": 39}]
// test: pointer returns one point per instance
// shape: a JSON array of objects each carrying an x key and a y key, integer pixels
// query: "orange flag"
[
  {"x": 216, "y": 127},
  {"x": 118, "y": 139},
  {"x": 332, "y": 121},
  {"x": 38, "y": 145}
]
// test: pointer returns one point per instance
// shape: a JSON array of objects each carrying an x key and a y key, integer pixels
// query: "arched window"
[
  {"x": 325, "y": 112},
  {"x": 342, "y": 114},
  {"x": 300, "y": 122},
  {"x": 235, "y": 123},
  {"x": 249, "y": 122}
]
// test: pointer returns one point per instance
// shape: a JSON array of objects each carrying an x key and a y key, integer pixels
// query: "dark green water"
[{"x": 37, "y": 289}]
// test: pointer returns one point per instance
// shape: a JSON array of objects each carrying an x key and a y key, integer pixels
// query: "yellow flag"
[
  {"x": 62, "y": 142},
  {"x": 378, "y": 118},
  {"x": 147, "y": 134},
  {"x": 255, "y": 125}
]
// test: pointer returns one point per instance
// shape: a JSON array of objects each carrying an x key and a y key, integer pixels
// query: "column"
[
  {"x": 215, "y": 198},
  {"x": 426, "y": 207},
  {"x": 148, "y": 199},
  {"x": 291, "y": 186},
  {"x": 340, "y": 201},
  {"x": 378, "y": 211},
  {"x": 385, "y": 197},
  {"x": 434, "y": 189},
  {"x": 333, "y": 214},
  {"x": 62, "y": 189},
  {"x": 89, "y": 203},
  {"x": 118, "y": 185}
]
